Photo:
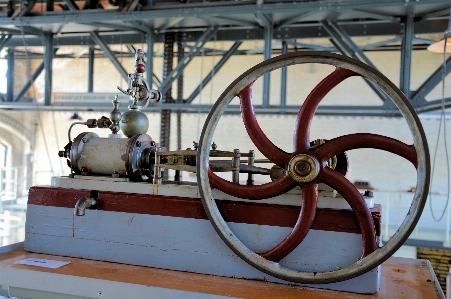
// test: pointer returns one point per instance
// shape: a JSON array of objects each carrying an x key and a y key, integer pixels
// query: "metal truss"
[{"x": 280, "y": 24}]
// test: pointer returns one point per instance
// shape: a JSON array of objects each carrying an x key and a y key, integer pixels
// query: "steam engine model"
[{"x": 307, "y": 225}]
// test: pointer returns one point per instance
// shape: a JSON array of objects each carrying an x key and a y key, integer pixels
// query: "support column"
[
  {"x": 91, "y": 69},
  {"x": 10, "y": 75},
  {"x": 406, "y": 55},
  {"x": 168, "y": 57},
  {"x": 48, "y": 60},
  {"x": 150, "y": 41},
  {"x": 267, "y": 54},
  {"x": 179, "y": 100},
  {"x": 283, "y": 83}
]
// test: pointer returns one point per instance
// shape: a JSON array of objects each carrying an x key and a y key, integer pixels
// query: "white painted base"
[{"x": 187, "y": 244}]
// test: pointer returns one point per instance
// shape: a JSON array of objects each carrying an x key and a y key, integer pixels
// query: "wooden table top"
[{"x": 401, "y": 278}]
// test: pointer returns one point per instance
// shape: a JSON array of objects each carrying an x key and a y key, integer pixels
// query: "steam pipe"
[{"x": 82, "y": 204}]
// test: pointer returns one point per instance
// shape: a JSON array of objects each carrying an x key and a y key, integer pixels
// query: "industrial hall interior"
[{"x": 225, "y": 149}]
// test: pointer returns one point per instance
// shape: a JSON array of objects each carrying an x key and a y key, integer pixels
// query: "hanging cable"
[{"x": 442, "y": 120}]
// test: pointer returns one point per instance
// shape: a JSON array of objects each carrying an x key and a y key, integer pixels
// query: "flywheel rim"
[{"x": 379, "y": 255}]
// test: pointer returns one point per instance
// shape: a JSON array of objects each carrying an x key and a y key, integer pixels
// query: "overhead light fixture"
[
  {"x": 75, "y": 116},
  {"x": 439, "y": 47}
]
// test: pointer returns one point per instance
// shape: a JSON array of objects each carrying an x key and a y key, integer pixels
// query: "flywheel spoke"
[
  {"x": 254, "y": 192},
  {"x": 308, "y": 109},
  {"x": 258, "y": 137},
  {"x": 358, "y": 205},
  {"x": 301, "y": 228},
  {"x": 366, "y": 140}
]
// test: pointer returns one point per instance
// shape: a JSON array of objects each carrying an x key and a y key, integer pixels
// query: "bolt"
[
  {"x": 138, "y": 143},
  {"x": 302, "y": 168},
  {"x": 175, "y": 160},
  {"x": 115, "y": 175},
  {"x": 84, "y": 171}
]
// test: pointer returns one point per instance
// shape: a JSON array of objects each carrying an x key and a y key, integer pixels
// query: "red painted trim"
[{"x": 240, "y": 212}]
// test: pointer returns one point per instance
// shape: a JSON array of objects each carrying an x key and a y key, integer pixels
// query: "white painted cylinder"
[{"x": 103, "y": 155}]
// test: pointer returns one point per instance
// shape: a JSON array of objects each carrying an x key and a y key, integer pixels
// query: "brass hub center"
[{"x": 303, "y": 168}]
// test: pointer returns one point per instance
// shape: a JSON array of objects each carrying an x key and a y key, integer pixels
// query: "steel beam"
[
  {"x": 234, "y": 21},
  {"x": 212, "y": 9},
  {"x": 150, "y": 41},
  {"x": 131, "y": 6},
  {"x": 423, "y": 41},
  {"x": 381, "y": 44},
  {"x": 10, "y": 75},
  {"x": 5, "y": 40},
  {"x": 48, "y": 62},
  {"x": 307, "y": 30},
  {"x": 49, "y": 5},
  {"x": 375, "y": 111},
  {"x": 178, "y": 70},
  {"x": 295, "y": 19},
  {"x": 11, "y": 31},
  {"x": 98, "y": 40},
  {"x": 232, "y": 109},
  {"x": 24, "y": 8},
  {"x": 214, "y": 71},
  {"x": 267, "y": 23},
  {"x": 141, "y": 27},
  {"x": 170, "y": 23},
  {"x": 377, "y": 16},
  {"x": 340, "y": 35},
  {"x": 31, "y": 30},
  {"x": 30, "y": 82},
  {"x": 121, "y": 27},
  {"x": 91, "y": 69},
  {"x": 346, "y": 46},
  {"x": 419, "y": 95},
  {"x": 406, "y": 55},
  {"x": 428, "y": 106},
  {"x": 71, "y": 5},
  {"x": 438, "y": 13},
  {"x": 313, "y": 47}
]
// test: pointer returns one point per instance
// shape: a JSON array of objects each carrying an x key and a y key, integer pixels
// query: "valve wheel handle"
[{"x": 268, "y": 262}]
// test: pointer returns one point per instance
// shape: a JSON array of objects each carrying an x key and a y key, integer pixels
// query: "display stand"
[{"x": 401, "y": 278}]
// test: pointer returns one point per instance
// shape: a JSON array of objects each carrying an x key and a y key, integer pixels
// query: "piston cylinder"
[
  {"x": 92, "y": 154},
  {"x": 124, "y": 156}
]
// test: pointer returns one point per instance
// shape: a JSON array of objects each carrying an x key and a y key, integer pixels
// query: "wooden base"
[
  {"x": 173, "y": 233},
  {"x": 401, "y": 278}
]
